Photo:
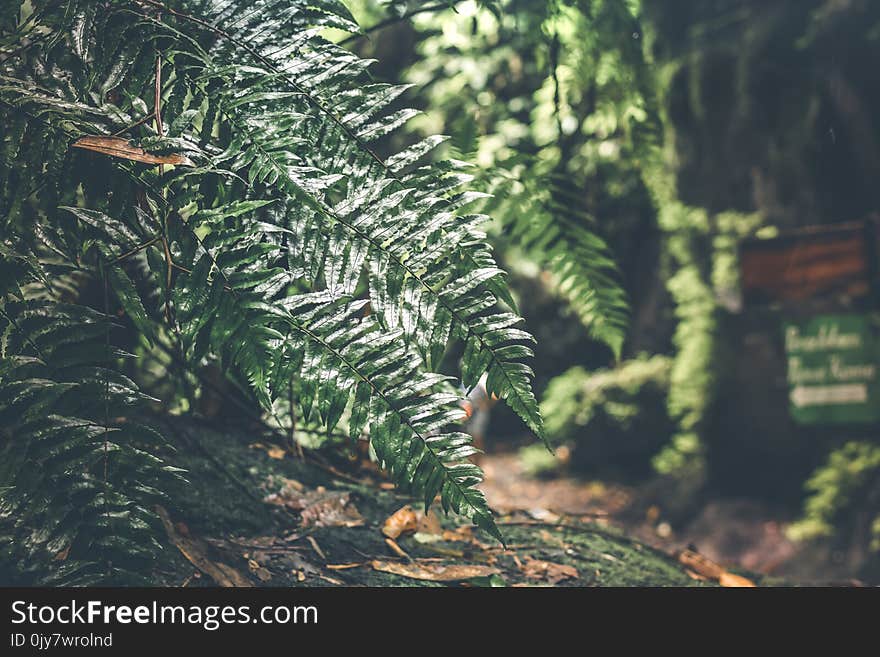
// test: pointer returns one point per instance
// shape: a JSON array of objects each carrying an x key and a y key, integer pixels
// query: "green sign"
[{"x": 833, "y": 363}]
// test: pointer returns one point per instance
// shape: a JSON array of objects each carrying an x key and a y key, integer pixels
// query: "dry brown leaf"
[
  {"x": 433, "y": 572},
  {"x": 407, "y": 520},
  {"x": 316, "y": 547},
  {"x": 547, "y": 570},
  {"x": 400, "y": 522},
  {"x": 735, "y": 581},
  {"x": 700, "y": 564},
  {"x": 276, "y": 452},
  {"x": 196, "y": 552},
  {"x": 395, "y": 548},
  {"x": 705, "y": 567},
  {"x": 124, "y": 149}
]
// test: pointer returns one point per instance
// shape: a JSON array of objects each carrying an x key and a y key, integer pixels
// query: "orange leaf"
[
  {"x": 124, "y": 149},
  {"x": 735, "y": 581},
  {"x": 708, "y": 569},
  {"x": 404, "y": 520}
]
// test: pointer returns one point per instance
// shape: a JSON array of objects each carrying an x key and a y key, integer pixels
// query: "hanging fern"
[
  {"x": 221, "y": 169},
  {"x": 544, "y": 216},
  {"x": 538, "y": 100}
]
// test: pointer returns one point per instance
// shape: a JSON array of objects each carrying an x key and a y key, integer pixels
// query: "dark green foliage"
[
  {"x": 614, "y": 418},
  {"x": 80, "y": 484},
  {"x": 844, "y": 498},
  {"x": 536, "y": 97},
  {"x": 292, "y": 251}
]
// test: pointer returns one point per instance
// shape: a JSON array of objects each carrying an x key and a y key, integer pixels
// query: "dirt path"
[{"x": 733, "y": 532}]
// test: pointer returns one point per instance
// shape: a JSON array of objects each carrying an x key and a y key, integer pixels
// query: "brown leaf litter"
[{"x": 318, "y": 507}]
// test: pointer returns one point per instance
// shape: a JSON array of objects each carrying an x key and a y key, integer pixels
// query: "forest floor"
[
  {"x": 255, "y": 514},
  {"x": 741, "y": 534}
]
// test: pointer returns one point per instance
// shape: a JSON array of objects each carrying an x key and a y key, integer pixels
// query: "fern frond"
[
  {"x": 76, "y": 484},
  {"x": 414, "y": 242},
  {"x": 286, "y": 243},
  {"x": 545, "y": 218}
]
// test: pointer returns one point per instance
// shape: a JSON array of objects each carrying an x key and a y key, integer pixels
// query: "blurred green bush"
[
  {"x": 844, "y": 499},
  {"x": 613, "y": 420}
]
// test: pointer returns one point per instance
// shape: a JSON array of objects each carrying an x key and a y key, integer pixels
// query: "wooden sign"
[
  {"x": 833, "y": 363},
  {"x": 820, "y": 261}
]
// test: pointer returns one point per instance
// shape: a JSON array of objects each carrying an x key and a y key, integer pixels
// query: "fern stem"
[
  {"x": 145, "y": 119},
  {"x": 388, "y": 22},
  {"x": 135, "y": 250}
]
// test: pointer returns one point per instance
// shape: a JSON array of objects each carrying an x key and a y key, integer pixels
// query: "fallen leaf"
[
  {"x": 400, "y": 522},
  {"x": 735, "y": 581},
  {"x": 395, "y": 548},
  {"x": 124, "y": 149},
  {"x": 547, "y": 570},
  {"x": 196, "y": 552},
  {"x": 690, "y": 573},
  {"x": 316, "y": 547},
  {"x": 276, "y": 452},
  {"x": 705, "y": 567},
  {"x": 407, "y": 520},
  {"x": 700, "y": 564},
  {"x": 433, "y": 572}
]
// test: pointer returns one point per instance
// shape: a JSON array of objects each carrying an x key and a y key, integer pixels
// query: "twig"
[{"x": 316, "y": 547}]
